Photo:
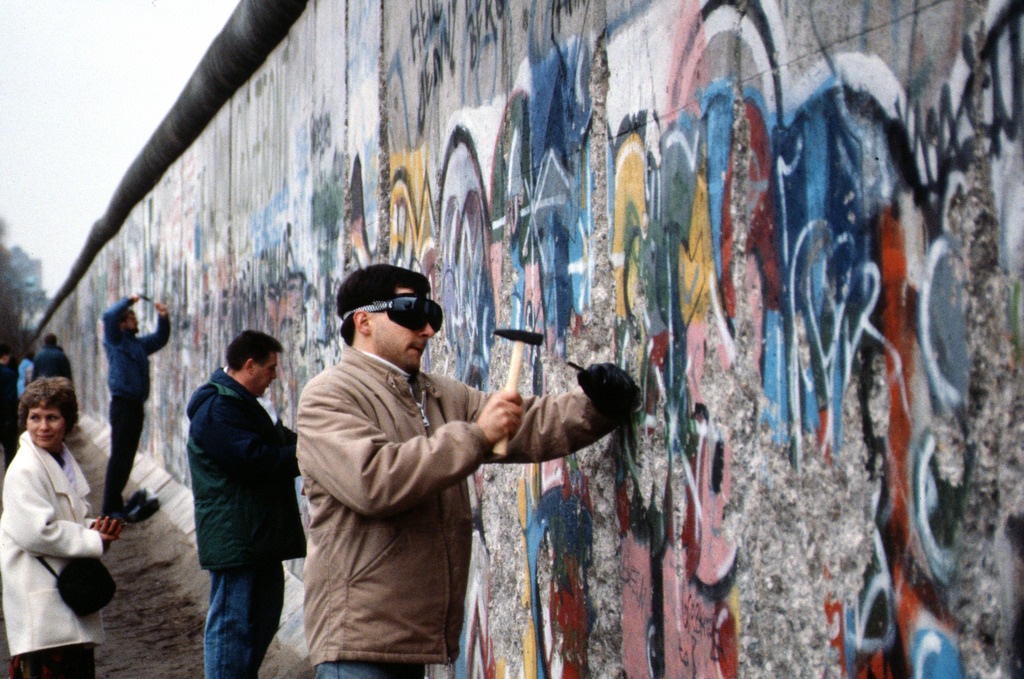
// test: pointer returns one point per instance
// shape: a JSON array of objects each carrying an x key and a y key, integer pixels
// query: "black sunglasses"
[{"x": 409, "y": 311}]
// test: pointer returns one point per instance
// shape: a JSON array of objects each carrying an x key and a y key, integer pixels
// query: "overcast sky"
[{"x": 83, "y": 85}]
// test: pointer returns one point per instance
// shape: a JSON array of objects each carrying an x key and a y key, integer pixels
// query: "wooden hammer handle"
[{"x": 511, "y": 384}]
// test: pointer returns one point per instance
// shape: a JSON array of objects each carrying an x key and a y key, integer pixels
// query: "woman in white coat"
[{"x": 44, "y": 515}]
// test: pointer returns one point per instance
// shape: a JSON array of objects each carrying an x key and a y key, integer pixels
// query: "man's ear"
[{"x": 361, "y": 321}]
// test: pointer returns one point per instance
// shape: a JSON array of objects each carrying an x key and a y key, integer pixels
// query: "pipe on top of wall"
[{"x": 252, "y": 32}]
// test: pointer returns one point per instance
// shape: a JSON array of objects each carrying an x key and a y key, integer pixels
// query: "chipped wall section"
[{"x": 798, "y": 225}]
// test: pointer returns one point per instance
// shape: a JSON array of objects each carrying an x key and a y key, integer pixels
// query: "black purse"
[{"x": 85, "y": 585}]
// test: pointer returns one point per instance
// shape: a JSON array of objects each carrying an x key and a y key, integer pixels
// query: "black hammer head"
[{"x": 525, "y": 336}]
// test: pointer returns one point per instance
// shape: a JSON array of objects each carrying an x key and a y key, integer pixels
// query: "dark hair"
[
  {"x": 121, "y": 317},
  {"x": 373, "y": 283},
  {"x": 5, "y": 348},
  {"x": 251, "y": 344},
  {"x": 50, "y": 338},
  {"x": 52, "y": 392}
]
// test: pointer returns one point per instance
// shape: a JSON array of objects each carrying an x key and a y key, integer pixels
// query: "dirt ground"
[{"x": 154, "y": 625}]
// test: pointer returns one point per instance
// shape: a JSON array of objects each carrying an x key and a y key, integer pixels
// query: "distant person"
[
  {"x": 128, "y": 379},
  {"x": 8, "y": 405},
  {"x": 51, "y": 361},
  {"x": 385, "y": 452},
  {"x": 44, "y": 517},
  {"x": 25, "y": 372},
  {"x": 246, "y": 512}
]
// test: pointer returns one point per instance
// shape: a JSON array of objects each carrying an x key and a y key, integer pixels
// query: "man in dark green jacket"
[{"x": 247, "y": 516}]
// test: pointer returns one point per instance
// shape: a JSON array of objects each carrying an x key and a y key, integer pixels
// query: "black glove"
[{"x": 610, "y": 388}]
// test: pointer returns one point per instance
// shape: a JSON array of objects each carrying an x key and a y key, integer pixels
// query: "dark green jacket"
[{"x": 243, "y": 479}]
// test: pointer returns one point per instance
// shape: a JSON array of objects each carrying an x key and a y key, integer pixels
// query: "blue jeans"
[
  {"x": 245, "y": 611},
  {"x": 369, "y": 670}
]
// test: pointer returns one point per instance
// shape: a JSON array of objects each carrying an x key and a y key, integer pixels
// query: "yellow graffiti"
[
  {"x": 629, "y": 224},
  {"x": 523, "y": 519},
  {"x": 733, "y": 602},
  {"x": 697, "y": 258},
  {"x": 530, "y": 635},
  {"x": 411, "y": 235},
  {"x": 530, "y": 652}
]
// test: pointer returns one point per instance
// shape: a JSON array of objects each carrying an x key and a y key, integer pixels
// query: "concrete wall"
[{"x": 800, "y": 225}]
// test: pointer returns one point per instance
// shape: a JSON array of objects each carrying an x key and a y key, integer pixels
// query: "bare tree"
[{"x": 21, "y": 295}]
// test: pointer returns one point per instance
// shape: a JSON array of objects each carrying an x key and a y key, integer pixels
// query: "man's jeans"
[
  {"x": 369, "y": 670},
  {"x": 245, "y": 610}
]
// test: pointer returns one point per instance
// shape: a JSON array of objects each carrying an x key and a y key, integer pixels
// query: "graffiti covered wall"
[{"x": 798, "y": 225}]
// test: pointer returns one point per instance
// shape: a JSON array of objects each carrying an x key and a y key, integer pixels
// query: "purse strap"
[{"x": 48, "y": 567}]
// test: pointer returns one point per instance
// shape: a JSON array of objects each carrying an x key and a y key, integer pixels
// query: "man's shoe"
[
  {"x": 144, "y": 508},
  {"x": 137, "y": 498}
]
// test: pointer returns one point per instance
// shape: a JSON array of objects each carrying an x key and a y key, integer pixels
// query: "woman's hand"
[{"x": 109, "y": 529}]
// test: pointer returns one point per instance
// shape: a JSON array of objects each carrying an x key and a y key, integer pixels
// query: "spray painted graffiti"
[
  {"x": 465, "y": 285},
  {"x": 449, "y": 43},
  {"x": 556, "y": 515},
  {"x": 547, "y": 211},
  {"x": 837, "y": 252},
  {"x": 432, "y": 39},
  {"x": 671, "y": 190},
  {"x": 1002, "y": 59},
  {"x": 539, "y": 199},
  {"x": 361, "y": 71},
  {"x": 680, "y": 609},
  {"x": 825, "y": 179},
  {"x": 541, "y": 192}
]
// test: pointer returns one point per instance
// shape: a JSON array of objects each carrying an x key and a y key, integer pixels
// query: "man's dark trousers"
[
  {"x": 9, "y": 442},
  {"x": 126, "y": 420},
  {"x": 8, "y": 412}
]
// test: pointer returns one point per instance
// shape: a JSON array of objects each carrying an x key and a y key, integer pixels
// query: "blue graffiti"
[
  {"x": 563, "y": 524},
  {"x": 555, "y": 214},
  {"x": 830, "y": 280}
]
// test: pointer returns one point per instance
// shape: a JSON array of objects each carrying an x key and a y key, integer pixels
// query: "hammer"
[{"x": 520, "y": 338}]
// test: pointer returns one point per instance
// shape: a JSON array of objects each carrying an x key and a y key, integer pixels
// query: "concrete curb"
[{"x": 176, "y": 503}]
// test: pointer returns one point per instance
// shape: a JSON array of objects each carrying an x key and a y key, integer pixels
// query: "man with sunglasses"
[{"x": 385, "y": 451}]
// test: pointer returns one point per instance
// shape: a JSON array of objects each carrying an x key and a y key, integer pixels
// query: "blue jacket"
[
  {"x": 243, "y": 479},
  {"x": 24, "y": 375},
  {"x": 51, "y": 361},
  {"x": 128, "y": 355}
]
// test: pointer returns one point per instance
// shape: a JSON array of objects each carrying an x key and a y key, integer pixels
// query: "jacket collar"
[
  {"x": 53, "y": 470},
  {"x": 387, "y": 372},
  {"x": 220, "y": 376}
]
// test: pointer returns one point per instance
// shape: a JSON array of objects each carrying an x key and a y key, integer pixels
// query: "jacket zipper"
[{"x": 421, "y": 405}]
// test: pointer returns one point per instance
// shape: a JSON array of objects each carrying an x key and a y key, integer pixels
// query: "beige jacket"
[
  {"x": 390, "y": 519},
  {"x": 43, "y": 516}
]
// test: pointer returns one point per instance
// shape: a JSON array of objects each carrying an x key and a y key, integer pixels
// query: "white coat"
[{"x": 42, "y": 516}]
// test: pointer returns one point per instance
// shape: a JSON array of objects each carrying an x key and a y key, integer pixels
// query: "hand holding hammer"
[{"x": 520, "y": 339}]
